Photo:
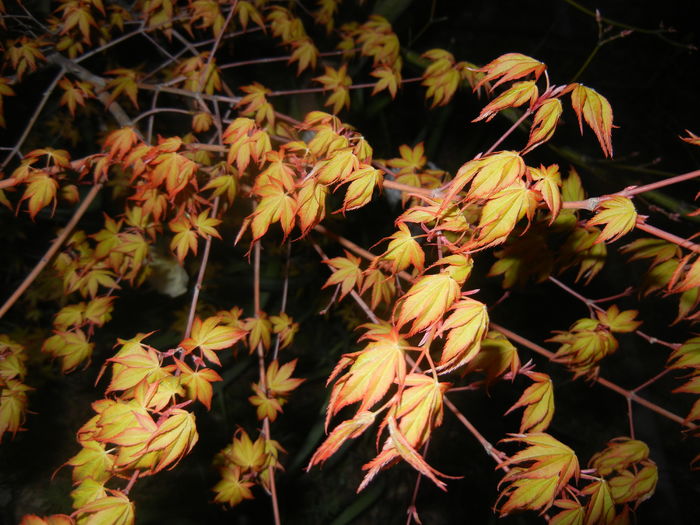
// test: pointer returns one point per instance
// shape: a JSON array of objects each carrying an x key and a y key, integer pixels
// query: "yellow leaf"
[
  {"x": 310, "y": 204},
  {"x": 427, "y": 301},
  {"x": 467, "y": 326},
  {"x": 544, "y": 123},
  {"x": 548, "y": 181},
  {"x": 349, "y": 429},
  {"x": 346, "y": 273},
  {"x": 404, "y": 250},
  {"x": 175, "y": 437},
  {"x": 538, "y": 400},
  {"x": 618, "y": 215},
  {"x": 517, "y": 95},
  {"x": 41, "y": 191},
  {"x": 362, "y": 183},
  {"x": 595, "y": 109},
  {"x": 108, "y": 510},
  {"x": 210, "y": 335},
  {"x": 510, "y": 66}
]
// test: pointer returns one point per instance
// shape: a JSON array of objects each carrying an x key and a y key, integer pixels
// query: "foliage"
[{"x": 185, "y": 158}]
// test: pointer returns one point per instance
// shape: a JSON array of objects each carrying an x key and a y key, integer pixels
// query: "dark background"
[{"x": 651, "y": 80}]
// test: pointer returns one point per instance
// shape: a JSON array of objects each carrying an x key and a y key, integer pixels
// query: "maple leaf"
[
  {"x": 338, "y": 81},
  {"x": 174, "y": 438},
  {"x": 544, "y": 123},
  {"x": 185, "y": 238},
  {"x": 404, "y": 250},
  {"x": 72, "y": 347},
  {"x": 176, "y": 170},
  {"x": 279, "y": 379},
  {"x": 687, "y": 355},
  {"x": 133, "y": 365},
  {"x": 571, "y": 515},
  {"x": 13, "y": 406},
  {"x": 259, "y": 331},
  {"x": 125, "y": 82},
  {"x": 692, "y": 138},
  {"x": 92, "y": 462},
  {"x": 350, "y": 429},
  {"x": 488, "y": 175},
  {"x": 255, "y": 103},
  {"x": 600, "y": 507},
  {"x": 517, "y": 95},
  {"x": 467, "y": 326},
  {"x": 501, "y": 213},
  {"x": 198, "y": 382},
  {"x": 619, "y": 454},
  {"x": 53, "y": 519},
  {"x": 86, "y": 491},
  {"x": 223, "y": 185},
  {"x": 346, "y": 273},
  {"x": 618, "y": 215},
  {"x": 548, "y": 181},
  {"x": 231, "y": 489},
  {"x": 441, "y": 77},
  {"x": 538, "y": 400},
  {"x": 310, "y": 204},
  {"x": 120, "y": 142},
  {"x": 115, "y": 510},
  {"x": 543, "y": 470},
  {"x": 23, "y": 54},
  {"x": 372, "y": 372},
  {"x": 617, "y": 321},
  {"x": 637, "y": 485},
  {"x": 74, "y": 94},
  {"x": 419, "y": 408},
  {"x": 209, "y": 335},
  {"x": 595, "y": 109},
  {"x": 427, "y": 301},
  {"x": 510, "y": 66},
  {"x": 305, "y": 54},
  {"x": 276, "y": 205},
  {"x": 362, "y": 183},
  {"x": 412, "y": 159},
  {"x": 41, "y": 191},
  {"x": 389, "y": 78},
  {"x": 338, "y": 167},
  {"x": 285, "y": 328}
]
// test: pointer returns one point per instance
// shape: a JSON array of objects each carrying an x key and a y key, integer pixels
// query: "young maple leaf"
[
  {"x": 209, "y": 335},
  {"x": 174, "y": 438},
  {"x": 40, "y": 192},
  {"x": 338, "y": 81},
  {"x": 692, "y": 138},
  {"x": 510, "y": 66},
  {"x": 259, "y": 331},
  {"x": 427, "y": 301},
  {"x": 571, "y": 515},
  {"x": 634, "y": 486},
  {"x": 74, "y": 94},
  {"x": 231, "y": 489},
  {"x": 600, "y": 508},
  {"x": 514, "y": 97},
  {"x": 488, "y": 175},
  {"x": 279, "y": 378},
  {"x": 404, "y": 250},
  {"x": 618, "y": 455},
  {"x": 412, "y": 159},
  {"x": 349, "y": 429},
  {"x": 198, "y": 382},
  {"x": 548, "y": 182},
  {"x": 617, "y": 321},
  {"x": 310, "y": 204},
  {"x": 501, "y": 213},
  {"x": 382, "y": 286},
  {"x": 595, "y": 109},
  {"x": 255, "y": 103},
  {"x": 389, "y": 78},
  {"x": 346, "y": 273},
  {"x": 538, "y": 400},
  {"x": 543, "y": 470},
  {"x": 441, "y": 77},
  {"x": 372, "y": 372},
  {"x": 362, "y": 183},
  {"x": 120, "y": 142},
  {"x": 13, "y": 406},
  {"x": 276, "y": 205},
  {"x": 618, "y": 215},
  {"x": 467, "y": 325},
  {"x": 285, "y": 328},
  {"x": 134, "y": 364},
  {"x": 115, "y": 509},
  {"x": 544, "y": 123},
  {"x": 419, "y": 409},
  {"x": 687, "y": 355},
  {"x": 53, "y": 519},
  {"x": 125, "y": 82},
  {"x": 305, "y": 54},
  {"x": 185, "y": 238},
  {"x": 92, "y": 462}
]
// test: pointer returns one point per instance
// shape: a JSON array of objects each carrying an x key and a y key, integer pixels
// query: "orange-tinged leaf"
[
  {"x": 637, "y": 486},
  {"x": 383, "y": 287},
  {"x": 362, "y": 183},
  {"x": 133, "y": 367},
  {"x": 544, "y": 123},
  {"x": 41, "y": 191},
  {"x": 419, "y": 409},
  {"x": 510, "y": 66},
  {"x": 108, "y": 510},
  {"x": 346, "y": 430},
  {"x": 547, "y": 182},
  {"x": 310, "y": 204},
  {"x": 92, "y": 462},
  {"x": 467, "y": 325},
  {"x": 279, "y": 378},
  {"x": 488, "y": 175},
  {"x": 86, "y": 491},
  {"x": 572, "y": 513},
  {"x": 276, "y": 205},
  {"x": 687, "y": 355},
  {"x": 692, "y": 138},
  {"x": 210, "y": 335},
  {"x": 340, "y": 164},
  {"x": 518, "y": 94},
  {"x": 619, "y": 454},
  {"x": 600, "y": 508},
  {"x": 198, "y": 382},
  {"x": 305, "y": 54},
  {"x": 346, "y": 273},
  {"x": 404, "y": 250},
  {"x": 13, "y": 406},
  {"x": 372, "y": 372},
  {"x": 231, "y": 489},
  {"x": 427, "y": 301},
  {"x": 618, "y": 215},
  {"x": 175, "y": 437},
  {"x": 595, "y": 109},
  {"x": 389, "y": 78},
  {"x": 617, "y": 321},
  {"x": 538, "y": 400},
  {"x": 501, "y": 213},
  {"x": 538, "y": 473},
  {"x": 53, "y": 519},
  {"x": 125, "y": 82}
]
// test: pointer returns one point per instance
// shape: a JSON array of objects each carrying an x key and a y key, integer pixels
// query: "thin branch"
[
  {"x": 510, "y": 130},
  {"x": 200, "y": 276},
  {"x": 627, "y": 394},
  {"x": 285, "y": 293},
  {"x": 55, "y": 245},
  {"x": 666, "y": 236}
]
